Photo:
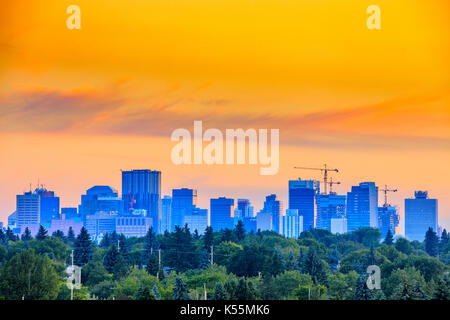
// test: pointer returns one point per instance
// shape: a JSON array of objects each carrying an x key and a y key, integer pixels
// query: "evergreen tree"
[
  {"x": 156, "y": 293},
  {"x": 152, "y": 266},
  {"x": 205, "y": 260},
  {"x": 120, "y": 269},
  {"x": 59, "y": 234},
  {"x": 180, "y": 290},
  {"x": 144, "y": 293},
  {"x": 362, "y": 292},
  {"x": 242, "y": 290},
  {"x": 124, "y": 248},
  {"x": 106, "y": 241},
  {"x": 83, "y": 248},
  {"x": 110, "y": 259},
  {"x": 42, "y": 233},
  {"x": 26, "y": 236},
  {"x": 195, "y": 235},
  {"x": 315, "y": 267},
  {"x": 442, "y": 291},
  {"x": 208, "y": 238},
  {"x": 404, "y": 290},
  {"x": 219, "y": 292},
  {"x": 114, "y": 237},
  {"x": 10, "y": 235},
  {"x": 389, "y": 239},
  {"x": 291, "y": 264},
  {"x": 230, "y": 289},
  {"x": 71, "y": 235},
  {"x": 444, "y": 240},
  {"x": 151, "y": 245},
  {"x": 275, "y": 264},
  {"x": 301, "y": 261},
  {"x": 227, "y": 235},
  {"x": 418, "y": 292},
  {"x": 239, "y": 231},
  {"x": 431, "y": 242},
  {"x": 3, "y": 238}
]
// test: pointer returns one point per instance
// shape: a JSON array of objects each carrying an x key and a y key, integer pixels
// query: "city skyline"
[{"x": 205, "y": 203}]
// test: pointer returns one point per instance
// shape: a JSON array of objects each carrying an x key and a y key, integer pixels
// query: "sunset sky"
[{"x": 76, "y": 106}]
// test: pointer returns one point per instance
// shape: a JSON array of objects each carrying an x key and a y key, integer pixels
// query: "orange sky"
[{"x": 79, "y": 105}]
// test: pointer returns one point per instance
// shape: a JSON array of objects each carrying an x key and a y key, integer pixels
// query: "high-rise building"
[
  {"x": 421, "y": 213},
  {"x": 275, "y": 208},
  {"x": 166, "y": 214},
  {"x": 49, "y": 205},
  {"x": 301, "y": 197},
  {"x": 292, "y": 224},
  {"x": 264, "y": 221},
  {"x": 100, "y": 223},
  {"x": 329, "y": 206},
  {"x": 197, "y": 220},
  {"x": 338, "y": 225},
  {"x": 141, "y": 189},
  {"x": 244, "y": 209},
  {"x": 362, "y": 206},
  {"x": 183, "y": 202},
  {"x": 100, "y": 200},
  {"x": 222, "y": 213},
  {"x": 388, "y": 219},
  {"x": 133, "y": 226},
  {"x": 70, "y": 213},
  {"x": 28, "y": 209}
]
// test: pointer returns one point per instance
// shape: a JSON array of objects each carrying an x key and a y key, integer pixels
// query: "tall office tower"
[
  {"x": 388, "y": 219},
  {"x": 329, "y": 206},
  {"x": 264, "y": 221},
  {"x": 275, "y": 207},
  {"x": 27, "y": 209},
  {"x": 222, "y": 213},
  {"x": 49, "y": 205},
  {"x": 197, "y": 220},
  {"x": 166, "y": 214},
  {"x": 292, "y": 224},
  {"x": 100, "y": 200},
  {"x": 183, "y": 202},
  {"x": 301, "y": 197},
  {"x": 141, "y": 189},
  {"x": 362, "y": 206},
  {"x": 421, "y": 213},
  {"x": 338, "y": 225},
  {"x": 244, "y": 208}
]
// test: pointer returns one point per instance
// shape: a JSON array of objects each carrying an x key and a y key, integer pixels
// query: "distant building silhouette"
[
  {"x": 362, "y": 206},
  {"x": 183, "y": 202},
  {"x": 100, "y": 200},
  {"x": 421, "y": 213},
  {"x": 388, "y": 219},
  {"x": 329, "y": 206},
  {"x": 166, "y": 214},
  {"x": 301, "y": 197},
  {"x": 221, "y": 213},
  {"x": 292, "y": 224}
]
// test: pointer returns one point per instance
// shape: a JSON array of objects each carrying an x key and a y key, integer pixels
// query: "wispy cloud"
[{"x": 415, "y": 121}]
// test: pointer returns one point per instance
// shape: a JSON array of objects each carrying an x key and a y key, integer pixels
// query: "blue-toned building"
[
  {"x": 421, "y": 213},
  {"x": 275, "y": 208},
  {"x": 329, "y": 206},
  {"x": 362, "y": 206},
  {"x": 100, "y": 223},
  {"x": 141, "y": 189},
  {"x": 183, "y": 202},
  {"x": 49, "y": 205},
  {"x": 100, "y": 200},
  {"x": 197, "y": 220},
  {"x": 388, "y": 219},
  {"x": 27, "y": 209},
  {"x": 302, "y": 195},
  {"x": 70, "y": 213},
  {"x": 166, "y": 214},
  {"x": 222, "y": 213},
  {"x": 292, "y": 224}
]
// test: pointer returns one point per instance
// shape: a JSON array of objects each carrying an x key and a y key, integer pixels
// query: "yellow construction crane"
[
  {"x": 325, "y": 174},
  {"x": 331, "y": 184},
  {"x": 386, "y": 190}
]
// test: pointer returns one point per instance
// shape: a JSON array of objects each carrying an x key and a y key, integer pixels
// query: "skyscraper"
[
  {"x": 221, "y": 213},
  {"x": 388, "y": 219},
  {"x": 197, "y": 220},
  {"x": 292, "y": 224},
  {"x": 329, "y": 206},
  {"x": 141, "y": 189},
  {"x": 49, "y": 205},
  {"x": 421, "y": 213},
  {"x": 100, "y": 200},
  {"x": 275, "y": 208},
  {"x": 183, "y": 202},
  {"x": 166, "y": 214},
  {"x": 27, "y": 209},
  {"x": 301, "y": 197},
  {"x": 362, "y": 206}
]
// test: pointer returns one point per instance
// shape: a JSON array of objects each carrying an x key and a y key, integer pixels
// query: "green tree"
[
  {"x": 404, "y": 290},
  {"x": 156, "y": 293},
  {"x": 315, "y": 267},
  {"x": 431, "y": 242},
  {"x": 71, "y": 235},
  {"x": 219, "y": 292},
  {"x": 28, "y": 276},
  {"x": 144, "y": 293},
  {"x": 180, "y": 290},
  {"x": 341, "y": 286},
  {"x": 403, "y": 245},
  {"x": 152, "y": 266},
  {"x": 42, "y": 233},
  {"x": 389, "y": 239},
  {"x": 239, "y": 231},
  {"x": 208, "y": 238},
  {"x": 442, "y": 291},
  {"x": 106, "y": 241},
  {"x": 362, "y": 292},
  {"x": 275, "y": 264},
  {"x": 151, "y": 245},
  {"x": 59, "y": 234},
  {"x": 93, "y": 273},
  {"x": 83, "y": 248},
  {"x": 111, "y": 257},
  {"x": 120, "y": 269},
  {"x": 26, "y": 236}
]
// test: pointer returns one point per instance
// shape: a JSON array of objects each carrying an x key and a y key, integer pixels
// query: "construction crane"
[
  {"x": 325, "y": 174},
  {"x": 331, "y": 184},
  {"x": 386, "y": 190}
]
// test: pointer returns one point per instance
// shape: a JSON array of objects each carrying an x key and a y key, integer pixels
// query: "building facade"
[
  {"x": 362, "y": 206},
  {"x": 302, "y": 195},
  {"x": 421, "y": 213},
  {"x": 222, "y": 213},
  {"x": 292, "y": 224}
]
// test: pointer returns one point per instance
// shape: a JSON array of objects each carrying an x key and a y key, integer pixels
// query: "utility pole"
[
  {"x": 212, "y": 254},
  {"x": 204, "y": 291},
  {"x": 159, "y": 263},
  {"x": 118, "y": 245},
  {"x": 71, "y": 287}
]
